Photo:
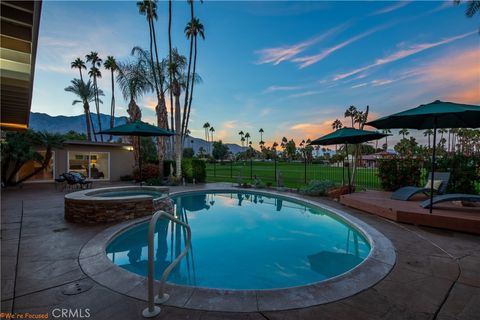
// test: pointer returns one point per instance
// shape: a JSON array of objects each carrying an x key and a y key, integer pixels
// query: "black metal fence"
[{"x": 292, "y": 173}]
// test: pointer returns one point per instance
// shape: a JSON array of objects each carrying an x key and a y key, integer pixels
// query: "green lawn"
[{"x": 293, "y": 173}]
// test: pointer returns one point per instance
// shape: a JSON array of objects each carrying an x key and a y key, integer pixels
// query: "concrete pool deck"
[{"x": 435, "y": 276}]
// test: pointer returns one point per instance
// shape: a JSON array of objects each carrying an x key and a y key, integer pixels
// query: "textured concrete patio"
[{"x": 436, "y": 275}]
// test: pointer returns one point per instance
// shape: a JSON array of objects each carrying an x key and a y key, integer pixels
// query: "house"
[
  {"x": 371, "y": 160},
  {"x": 102, "y": 161}
]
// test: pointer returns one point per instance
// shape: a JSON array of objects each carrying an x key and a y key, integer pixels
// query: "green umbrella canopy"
[
  {"x": 348, "y": 136},
  {"x": 137, "y": 129},
  {"x": 438, "y": 114}
]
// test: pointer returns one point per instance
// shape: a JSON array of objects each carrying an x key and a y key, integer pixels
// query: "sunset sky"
[{"x": 290, "y": 68}]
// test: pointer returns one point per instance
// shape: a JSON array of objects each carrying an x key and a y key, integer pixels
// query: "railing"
[{"x": 152, "y": 310}]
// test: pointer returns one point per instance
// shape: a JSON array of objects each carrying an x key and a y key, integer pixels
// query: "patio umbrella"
[
  {"x": 138, "y": 129},
  {"x": 348, "y": 136},
  {"x": 438, "y": 114}
]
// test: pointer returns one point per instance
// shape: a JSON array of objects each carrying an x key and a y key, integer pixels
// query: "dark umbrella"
[
  {"x": 138, "y": 129},
  {"x": 438, "y": 114},
  {"x": 348, "y": 136}
]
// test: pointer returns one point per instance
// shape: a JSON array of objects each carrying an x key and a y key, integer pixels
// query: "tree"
[
  {"x": 94, "y": 74},
  {"x": 86, "y": 93},
  {"x": 473, "y": 7},
  {"x": 188, "y": 153},
  {"x": 206, "y": 126},
  {"x": 78, "y": 64},
  {"x": 261, "y": 134},
  {"x": 242, "y": 139},
  {"x": 386, "y": 131},
  {"x": 46, "y": 141},
  {"x": 193, "y": 29},
  {"x": 133, "y": 84},
  {"x": 291, "y": 149},
  {"x": 352, "y": 113},
  {"x": 73, "y": 135},
  {"x": 212, "y": 130},
  {"x": 220, "y": 150},
  {"x": 337, "y": 124},
  {"x": 247, "y": 136},
  {"x": 428, "y": 133},
  {"x": 111, "y": 64},
  {"x": 404, "y": 132}
]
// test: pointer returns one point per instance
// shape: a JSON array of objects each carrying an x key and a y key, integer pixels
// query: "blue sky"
[{"x": 290, "y": 68}]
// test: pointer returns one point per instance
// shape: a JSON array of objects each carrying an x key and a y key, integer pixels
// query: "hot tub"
[{"x": 114, "y": 204}]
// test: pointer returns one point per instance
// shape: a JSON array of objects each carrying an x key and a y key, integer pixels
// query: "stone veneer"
[{"x": 87, "y": 208}]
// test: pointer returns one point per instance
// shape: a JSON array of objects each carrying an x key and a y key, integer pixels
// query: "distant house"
[
  {"x": 100, "y": 161},
  {"x": 371, "y": 160}
]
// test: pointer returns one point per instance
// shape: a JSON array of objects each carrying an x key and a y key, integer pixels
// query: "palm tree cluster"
[
  {"x": 89, "y": 92},
  {"x": 147, "y": 73}
]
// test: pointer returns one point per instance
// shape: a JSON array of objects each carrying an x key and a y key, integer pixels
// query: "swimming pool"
[{"x": 245, "y": 240}]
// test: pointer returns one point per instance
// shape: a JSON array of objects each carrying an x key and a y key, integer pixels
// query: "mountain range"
[{"x": 63, "y": 124}]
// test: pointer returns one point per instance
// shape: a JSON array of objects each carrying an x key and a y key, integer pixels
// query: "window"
[
  {"x": 93, "y": 165},
  {"x": 46, "y": 174}
]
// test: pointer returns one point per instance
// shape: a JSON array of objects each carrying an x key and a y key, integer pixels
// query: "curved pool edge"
[{"x": 380, "y": 261}]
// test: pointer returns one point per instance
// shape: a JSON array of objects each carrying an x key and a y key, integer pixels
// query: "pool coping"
[
  {"x": 89, "y": 194},
  {"x": 380, "y": 261}
]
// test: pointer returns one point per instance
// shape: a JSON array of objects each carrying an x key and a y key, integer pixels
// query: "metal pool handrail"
[{"x": 152, "y": 310}]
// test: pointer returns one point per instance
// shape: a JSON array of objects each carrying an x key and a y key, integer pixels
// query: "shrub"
[
  {"x": 396, "y": 172},
  {"x": 194, "y": 169},
  {"x": 258, "y": 183},
  {"x": 317, "y": 187},
  {"x": 464, "y": 172},
  {"x": 148, "y": 171},
  {"x": 154, "y": 182},
  {"x": 126, "y": 177}
]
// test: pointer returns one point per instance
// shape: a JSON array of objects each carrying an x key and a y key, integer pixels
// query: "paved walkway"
[{"x": 436, "y": 275}]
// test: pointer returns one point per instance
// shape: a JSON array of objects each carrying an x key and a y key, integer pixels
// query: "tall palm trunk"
[
  {"x": 112, "y": 106},
  {"x": 185, "y": 106},
  {"x": 134, "y": 115},
  {"x": 170, "y": 60},
  {"x": 86, "y": 109},
  {"x": 178, "y": 132},
  {"x": 81, "y": 77},
  {"x": 97, "y": 107},
  {"x": 192, "y": 83}
]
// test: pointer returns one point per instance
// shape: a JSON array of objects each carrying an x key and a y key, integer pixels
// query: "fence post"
[
  {"x": 305, "y": 173},
  {"x": 214, "y": 168},
  {"x": 231, "y": 168},
  {"x": 275, "y": 162},
  {"x": 251, "y": 168}
]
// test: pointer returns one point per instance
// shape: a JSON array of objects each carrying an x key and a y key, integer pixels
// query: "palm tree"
[
  {"x": 206, "y": 125},
  {"x": 243, "y": 141},
  {"x": 247, "y": 136},
  {"x": 86, "y": 93},
  {"x": 337, "y": 124},
  {"x": 78, "y": 64},
  {"x": 352, "y": 113},
  {"x": 176, "y": 68},
  {"x": 212, "y": 130},
  {"x": 261, "y": 134},
  {"x": 404, "y": 132},
  {"x": 241, "y": 137},
  {"x": 133, "y": 84},
  {"x": 428, "y": 133},
  {"x": 192, "y": 31},
  {"x": 473, "y": 7},
  {"x": 111, "y": 64},
  {"x": 386, "y": 131},
  {"x": 95, "y": 73},
  {"x": 170, "y": 57}
]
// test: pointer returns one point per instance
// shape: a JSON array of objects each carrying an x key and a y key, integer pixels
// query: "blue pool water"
[
  {"x": 110, "y": 194},
  {"x": 245, "y": 241}
]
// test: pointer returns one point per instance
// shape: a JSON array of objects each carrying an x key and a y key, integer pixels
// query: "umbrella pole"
[
  {"x": 348, "y": 168},
  {"x": 433, "y": 162},
  {"x": 140, "y": 159}
]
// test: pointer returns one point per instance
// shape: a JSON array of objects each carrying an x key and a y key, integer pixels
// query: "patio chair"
[
  {"x": 71, "y": 182},
  {"x": 451, "y": 197},
  {"x": 81, "y": 180},
  {"x": 440, "y": 184}
]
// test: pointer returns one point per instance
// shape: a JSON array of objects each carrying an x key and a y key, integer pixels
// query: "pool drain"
[{"x": 76, "y": 288}]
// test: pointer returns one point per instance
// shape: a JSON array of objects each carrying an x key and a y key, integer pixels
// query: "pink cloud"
[
  {"x": 279, "y": 54},
  {"x": 403, "y": 54}
]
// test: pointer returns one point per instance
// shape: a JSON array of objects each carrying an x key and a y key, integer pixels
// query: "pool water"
[
  {"x": 245, "y": 241},
  {"x": 111, "y": 194}
]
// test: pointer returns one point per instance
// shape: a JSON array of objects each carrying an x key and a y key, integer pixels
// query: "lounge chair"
[
  {"x": 440, "y": 178},
  {"x": 451, "y": 197},
  {"x": 76, "y": 179}
]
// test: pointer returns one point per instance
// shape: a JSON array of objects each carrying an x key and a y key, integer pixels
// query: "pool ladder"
[{"x": 152, "y": 310}]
